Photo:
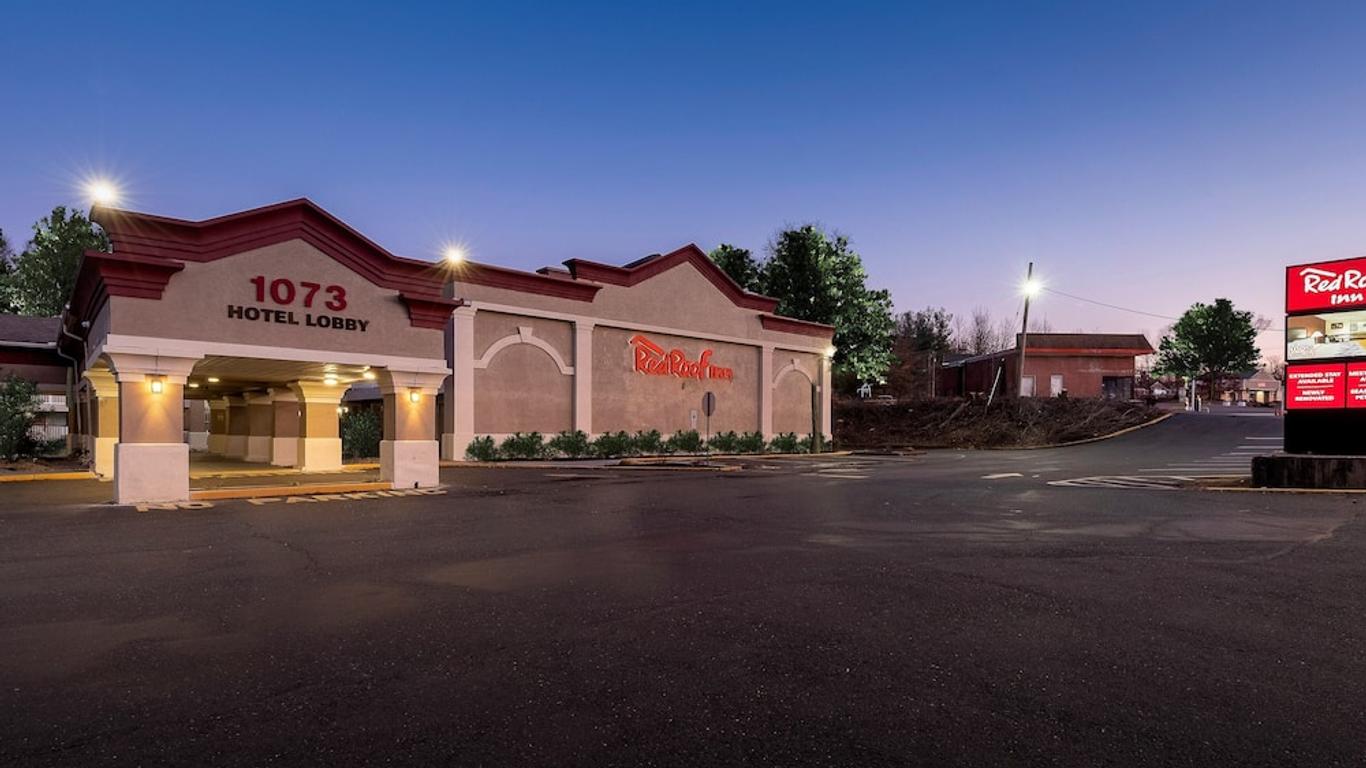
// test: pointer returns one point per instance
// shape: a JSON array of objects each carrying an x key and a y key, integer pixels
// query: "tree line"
[
  {"x": 814, "y": 275},
  {"x": 38, "y": 281}
]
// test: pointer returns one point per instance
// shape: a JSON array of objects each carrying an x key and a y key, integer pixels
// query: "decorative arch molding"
[
  {"x": 792, "y": 367},
  {"x": 523, "y": 336}
]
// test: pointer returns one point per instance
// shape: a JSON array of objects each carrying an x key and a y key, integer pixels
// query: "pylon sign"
[{"x": 1325, "y": 355}]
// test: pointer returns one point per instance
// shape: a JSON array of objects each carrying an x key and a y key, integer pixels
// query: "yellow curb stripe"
[
  {"x": 276, "y": 472},
  {"x": 36, "y": 476},
  {"x": 259, "y": 491}
]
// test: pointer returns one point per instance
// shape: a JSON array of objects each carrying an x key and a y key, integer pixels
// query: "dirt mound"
[{"x": 957, "y": 423}]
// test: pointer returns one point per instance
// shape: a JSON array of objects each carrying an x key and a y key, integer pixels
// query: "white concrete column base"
[
  {"x": 218, "y": 443},
  {"x": 409, "y": 463},
  {"x": 235, "y": 446},
  {"x": 199, "y": 441},
  {"x": 319, "y": 454},
  {"x": 104, "y": 457},
  {"x": 258, "y": 448},
  {"x": 453, "y": 445},
  {"x": 151, "y": 472},
  {"x": 284, "y": 451}
]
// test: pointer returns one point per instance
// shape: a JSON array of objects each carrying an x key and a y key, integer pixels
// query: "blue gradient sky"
[{"x": 1149, "y": 156}]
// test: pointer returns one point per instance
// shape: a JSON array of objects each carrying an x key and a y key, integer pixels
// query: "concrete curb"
[
  {"x": 1239, "y": 489},
  {"x": 279, "y": 471},
  {"x": 32, "y": 477},
  {"x": 259, "y": 491},
  {"x": 1096, "y": 439},
  {"x": 636, "y": 462}
]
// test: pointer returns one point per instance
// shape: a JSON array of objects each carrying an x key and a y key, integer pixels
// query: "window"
[
  {"x": 1055, "y": 385},
  {"x": 1027, "y": 386}
]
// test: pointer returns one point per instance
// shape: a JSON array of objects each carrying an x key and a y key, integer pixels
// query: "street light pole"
[{"x": 1029, "y": 289}]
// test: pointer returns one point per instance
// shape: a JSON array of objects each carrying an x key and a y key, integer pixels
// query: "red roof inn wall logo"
[
  {"x": 1321, "y": 385},
  {"x": 1326, "y": 285},
  {"x": 652, "y": 360}
]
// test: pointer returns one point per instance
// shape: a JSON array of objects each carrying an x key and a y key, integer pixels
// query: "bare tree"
[
  {"x": 981, "y": 337},
  {"x": 1005, "y": 335},
  {"x": 1040, "y": 325},
  {"x": 1275, "y": 366}
]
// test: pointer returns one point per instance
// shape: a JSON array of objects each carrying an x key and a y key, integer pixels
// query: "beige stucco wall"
[
  {"x": 624, "y": 400},
  {"x": 406, "y": 420},
  {"x": 792, "y": 391},
  {"x": 148, "y": 417},
  {"x": 522, "y": 390},
  {"x": 491, "y": 327},
  {"x": 195, "y": 306},
  {"x": 680, "y": 298}
]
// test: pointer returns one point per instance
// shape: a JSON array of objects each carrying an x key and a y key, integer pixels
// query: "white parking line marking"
[
  {"x": 1000, "y": 475},
  {"x": 1127, "y": 482}
]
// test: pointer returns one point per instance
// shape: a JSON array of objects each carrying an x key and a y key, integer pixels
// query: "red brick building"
[{"x": 1080, "y": 364}]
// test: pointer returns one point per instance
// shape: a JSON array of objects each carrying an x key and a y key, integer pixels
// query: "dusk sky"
[{"x": 1150, "y": 156}]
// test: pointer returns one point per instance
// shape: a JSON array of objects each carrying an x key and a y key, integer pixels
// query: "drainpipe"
[{"x": 71, "y": 377}]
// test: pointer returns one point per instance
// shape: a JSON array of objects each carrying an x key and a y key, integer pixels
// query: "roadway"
[{"x": 949, "y": 608}]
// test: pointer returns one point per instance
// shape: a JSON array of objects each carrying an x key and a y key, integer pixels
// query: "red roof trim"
[
  {"x": 103, "y": 275},
  {"x": 140, "y": 234},
  {"x": 648, "y": 267},
  {"x": 428, "y": 312},
  {"x": 144, "y": 234},
  {"x": 527, "y": 282},
  {"x": 792, "y": 325}
]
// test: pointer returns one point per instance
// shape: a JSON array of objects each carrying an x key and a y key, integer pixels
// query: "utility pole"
[{"x": 1029, "y": 290}]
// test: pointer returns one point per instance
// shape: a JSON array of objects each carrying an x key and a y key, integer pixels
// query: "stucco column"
[
  {"x": 218, "y": 426},
  {"x": 766, "y": 385},
  {"x": 151, "y": 461},
  {"x": 104, "y": 420},
  {"x": 583, "y": 376},
  {"x": 239, "y": 427},
  {"x": 260, "y": 426},
  {"x": 408, "y": 454},
  {"x": 826, "y": 364},
  {"x": 458, "y": 430},
  {"x": 319, "y": 442},
  {"x": 284, "y": 441},
  {"x": 197, "y": 424}
]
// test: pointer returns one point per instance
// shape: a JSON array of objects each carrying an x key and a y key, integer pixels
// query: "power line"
[
  {"x": 1111, "y": 306},
  {"x": 1129, "y": 309}
]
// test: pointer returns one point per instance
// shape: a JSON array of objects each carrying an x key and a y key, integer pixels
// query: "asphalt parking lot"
[{"x": 950, "y": 608}]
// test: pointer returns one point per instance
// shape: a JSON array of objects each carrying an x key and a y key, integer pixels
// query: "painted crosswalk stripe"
[
  {"x": 1127, "y": 482},
  {"x": 1000, "y": 475}
]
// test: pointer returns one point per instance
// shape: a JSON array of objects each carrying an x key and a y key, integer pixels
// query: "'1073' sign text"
[{"x": 305, "y": 294}]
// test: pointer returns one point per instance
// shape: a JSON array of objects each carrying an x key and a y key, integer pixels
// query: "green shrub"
[
  {"x": 785, "y": 442},
  {"x": 684, "y": 442},
  {"x": 750, "y": 442},
  {"x": 18, "y": 409},
  {"x": 724, "y": 442},
  {"x": 647, "y": 443},
  {"x": 612, "y": 444},
  {"x": 482, "y": 449},
  {"x": 806, "y": 445},
  {"x": 361, "y": 430},
  {"x": 523, "y": 446},
  {"x": 571, "y": 445}
]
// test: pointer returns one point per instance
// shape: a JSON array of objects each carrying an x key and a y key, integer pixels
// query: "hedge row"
[{"x": 611, "y": 445}]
